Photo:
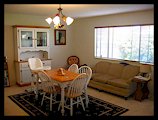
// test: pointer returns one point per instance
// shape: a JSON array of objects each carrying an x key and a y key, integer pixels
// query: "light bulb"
[
  {"x": 56, "y": 20},
  {"x": 49, "y": 20},
  {"x": 69, "y": 20}
]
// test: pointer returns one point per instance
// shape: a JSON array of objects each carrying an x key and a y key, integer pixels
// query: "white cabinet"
[
  {"x": 30, "y": 41},
  {"x": 23, "y": 72}
]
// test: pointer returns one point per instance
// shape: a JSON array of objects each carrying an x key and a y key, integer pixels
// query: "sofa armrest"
[{"x": 129, "y": 81}]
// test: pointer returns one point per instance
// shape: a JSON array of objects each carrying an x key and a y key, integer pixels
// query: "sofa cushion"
[
  {"x": 116, "y": 69},
  {"x": 118, "y": 83},
  {"x": 129, "y": 71},
  {"x": 102, "y": 67},
  {"x": 102, "y": 78}
]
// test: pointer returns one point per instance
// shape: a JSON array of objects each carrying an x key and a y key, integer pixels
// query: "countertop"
[{"x": 23, "y": 61}]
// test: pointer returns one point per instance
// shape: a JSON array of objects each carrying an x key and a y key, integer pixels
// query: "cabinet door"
[
  {"x": 25, "y": 73},
  {"x": 26, "y": 38},
  {"x": 26, "y": 76},
  {"x": 42, "y": 38}
]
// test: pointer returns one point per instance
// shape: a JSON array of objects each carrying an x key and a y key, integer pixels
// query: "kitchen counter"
[{"x": 23, "y": 61}]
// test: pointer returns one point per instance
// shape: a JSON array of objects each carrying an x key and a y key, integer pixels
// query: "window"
[{"x": 134, "y": 43}]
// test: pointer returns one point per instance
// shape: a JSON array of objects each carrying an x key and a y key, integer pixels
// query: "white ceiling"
[{"x": 74, "y": 10}]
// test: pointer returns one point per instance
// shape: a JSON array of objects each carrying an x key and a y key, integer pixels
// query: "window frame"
[{"x": 151, "y": 63}]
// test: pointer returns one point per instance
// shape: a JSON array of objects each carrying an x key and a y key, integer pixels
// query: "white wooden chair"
[
  {"x": 36, "y": 65},
  {"x": 88, "y": 71},
  {"x": 73, "y": 68},
  {"x": 74, "y": 90},
  {"x": 49, "y": 88}
]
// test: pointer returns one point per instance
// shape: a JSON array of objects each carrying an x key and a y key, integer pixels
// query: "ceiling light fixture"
[{"x": 59, "y": 19}]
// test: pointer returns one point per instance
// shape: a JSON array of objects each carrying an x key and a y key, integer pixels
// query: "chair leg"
[
  {"x": 35, "y": 89},
  {"x": 43, "y": 98},
  {"x": 77, "y": 101},
  {"x": 82, "y": 103},
  {"x": 36, "y": 96},
  {"x": 50, "y": 102},
  {"x": 32, "y": 85},
  {"x": 71, "y": 106},
  {"x": 59, "y": 106},
  {"x": 87, "y": 100}
]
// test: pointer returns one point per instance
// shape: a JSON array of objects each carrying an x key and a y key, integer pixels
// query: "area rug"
[{"x": 97, "y": 107}]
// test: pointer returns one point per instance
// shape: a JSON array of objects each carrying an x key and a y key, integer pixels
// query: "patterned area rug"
[{"x": 97, "y": 107}]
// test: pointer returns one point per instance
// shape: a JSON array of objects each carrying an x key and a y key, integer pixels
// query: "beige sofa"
[{"x": 114, "y": 78}]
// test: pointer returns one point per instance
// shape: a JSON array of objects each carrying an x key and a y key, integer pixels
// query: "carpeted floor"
[{"x": 96, "y": 107}]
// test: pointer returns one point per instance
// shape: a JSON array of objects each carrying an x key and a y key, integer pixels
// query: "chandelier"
[{"x": 59, "y": 20}]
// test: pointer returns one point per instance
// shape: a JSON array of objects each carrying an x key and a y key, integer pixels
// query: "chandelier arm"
[{"x": 62, "y": 13}]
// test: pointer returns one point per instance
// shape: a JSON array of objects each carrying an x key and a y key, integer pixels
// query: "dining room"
[{"x": 27, "y": 34}]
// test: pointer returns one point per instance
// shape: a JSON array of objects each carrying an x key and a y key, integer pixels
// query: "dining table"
[{"x": 62, "y": 80}]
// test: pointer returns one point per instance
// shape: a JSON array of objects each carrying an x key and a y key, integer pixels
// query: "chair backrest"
[
  {"x": 73, "y": 60},
  {"x": 35, "y": 63},
  {"x": 46, "y": 82},
  {"x": 77, "y": 85},
  {"x": 73, "y": 68},
  {"x": 88, "y": 71}
]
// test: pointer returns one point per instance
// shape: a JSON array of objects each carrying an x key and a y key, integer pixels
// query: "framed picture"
[{"x": 60, "y": 37}]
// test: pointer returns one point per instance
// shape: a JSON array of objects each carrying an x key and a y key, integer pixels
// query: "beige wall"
[
  {"x": 80, "y": 36},
  {"x": 9, "y": 52}
]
